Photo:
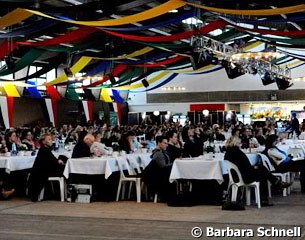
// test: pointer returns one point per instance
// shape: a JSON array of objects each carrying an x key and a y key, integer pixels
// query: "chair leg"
[
  {"x": 156, "y": 198},
  {"x": 257, "y": 196},
  {"x": 234, "y": 193},
  {"x": 138, "y": 189},
  {"x": 123, "y": 190},
  {"x": 118, "y": 192},
  {"x": 62, "y": 189},
  {"x": 248, "y": 196},
  {"x": 130, "y": 188},
  {"x": 269, "y": 190},
  {"x": 41, "y": 195}
]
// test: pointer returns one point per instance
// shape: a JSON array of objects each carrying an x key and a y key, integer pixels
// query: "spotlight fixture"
[
  {"x": 267, "y": 78},
  {"x": 145, "y": 83},
  {"x": 234, "y": 72},
  {"x": 283, "y": 83}
]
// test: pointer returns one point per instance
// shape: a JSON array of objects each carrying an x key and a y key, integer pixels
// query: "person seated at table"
[
  {"x": 156, "y": 174},
  {"x": 96, "y": 148},
  {"x": 250, "y": 174},
  {"x": 193, "y": 146},
  {"x": 12, "y": 141},
  {"x": 45, "y": 165},
  {"x": 282, "y": 161},
  {"x": 128, "y": 142},
  {"x": 173, "y": 149},
  {"x": 246, "y": 135},
  {"x": 81, "y": 149},
  {"x": 3, "y": 147},
  {"x": 218, "y": 136},
  {"x": 150, "y": 142},
  {"x": 27, "y": 139}
]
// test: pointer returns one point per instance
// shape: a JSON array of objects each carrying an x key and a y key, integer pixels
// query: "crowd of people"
[{"x": 166, "y": 142}]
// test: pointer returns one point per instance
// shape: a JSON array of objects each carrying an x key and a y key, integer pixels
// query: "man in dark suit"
[{"x": 294, "y": 124}]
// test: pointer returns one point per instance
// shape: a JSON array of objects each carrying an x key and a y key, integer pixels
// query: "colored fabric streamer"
[
  {"x": 155, "y": 25},
  {"x": 174, "y": 37},
  {"x": 78, "y": 34},
  {"x": 99, "y": 68},
  {"x": 138, "y": 17},
  {"x": 26, "y": 60},
  {"x": 28, "y": 30},
  {"x": 271, "y": 32},
  {"x": 167, "y": 80},
  {"x": 78, "y": 66},
  {"x": 164, "y": 62},
  {"x": 6, "y": 48},
  {"x": 14, "y": 17},
  {"x": 260, "y": 12}
]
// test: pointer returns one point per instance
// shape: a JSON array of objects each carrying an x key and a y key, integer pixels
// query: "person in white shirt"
[
  {"x": 96, "y": 148},
  {"x": 282, "y": 161}
]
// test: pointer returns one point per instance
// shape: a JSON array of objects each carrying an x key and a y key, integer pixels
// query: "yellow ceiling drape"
[
  {"x": 260, "y": 12},
  {"x": 145, "y": 15},
  {"x": 14, "y": 17}
]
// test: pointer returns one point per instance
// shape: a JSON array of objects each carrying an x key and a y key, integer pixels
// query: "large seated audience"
[{"x": 166, "y": 143}]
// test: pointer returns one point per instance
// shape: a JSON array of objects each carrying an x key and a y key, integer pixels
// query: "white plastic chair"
[
  {"x": 131, "y": 177},
  {"x": 237, "y": 183},
  {"x": 285, "y": 177},
  {"x": 62, "y": 187}
]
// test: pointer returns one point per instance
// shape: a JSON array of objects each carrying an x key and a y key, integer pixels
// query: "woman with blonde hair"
[{"x": 250, "y": 174}]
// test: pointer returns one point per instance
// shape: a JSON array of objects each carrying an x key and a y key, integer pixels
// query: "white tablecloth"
[
  {"x": 197, "y": 168},
  {"x": 91, "y": 166},
  {"x": 15, "y": 163},
  {"x": 99, "y": 165}
]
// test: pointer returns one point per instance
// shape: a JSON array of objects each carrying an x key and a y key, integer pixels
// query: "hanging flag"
[
  {"x": 117, "y": 110},
  {"x": 7, "y": 110},
  {"x": 87, "y": 105},
  {"x": 33, "y": 91},
  {"x": 51, "y": 105},
  {"x": 105, "y": 95},
  {"x": 10, "y": 90},
  {"x": 116, "y": 96},
  {"x": 51, "y": 90}
]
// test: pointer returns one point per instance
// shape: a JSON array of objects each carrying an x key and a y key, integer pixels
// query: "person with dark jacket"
[
  {"x": 45, "y": 165},
  {"x": 193, "y": 146},
  {"x": 294, "y": 125},
  {"x": 248, "y": 172},
  {"x": 173, "y": 149},
  {"x": 156, "y": 174},
  {"x": 81, "y": 149}
]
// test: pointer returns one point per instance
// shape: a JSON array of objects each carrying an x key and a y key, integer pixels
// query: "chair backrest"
[
  {"x": 124, "y": 167},
  {"x": 266, "y": 162},
  {"x": 234, "y": 174},
  {"x": 133, "y": 163}
]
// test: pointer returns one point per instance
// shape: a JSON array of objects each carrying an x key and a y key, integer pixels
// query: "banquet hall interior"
[{"x": 115, "y": 84}]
